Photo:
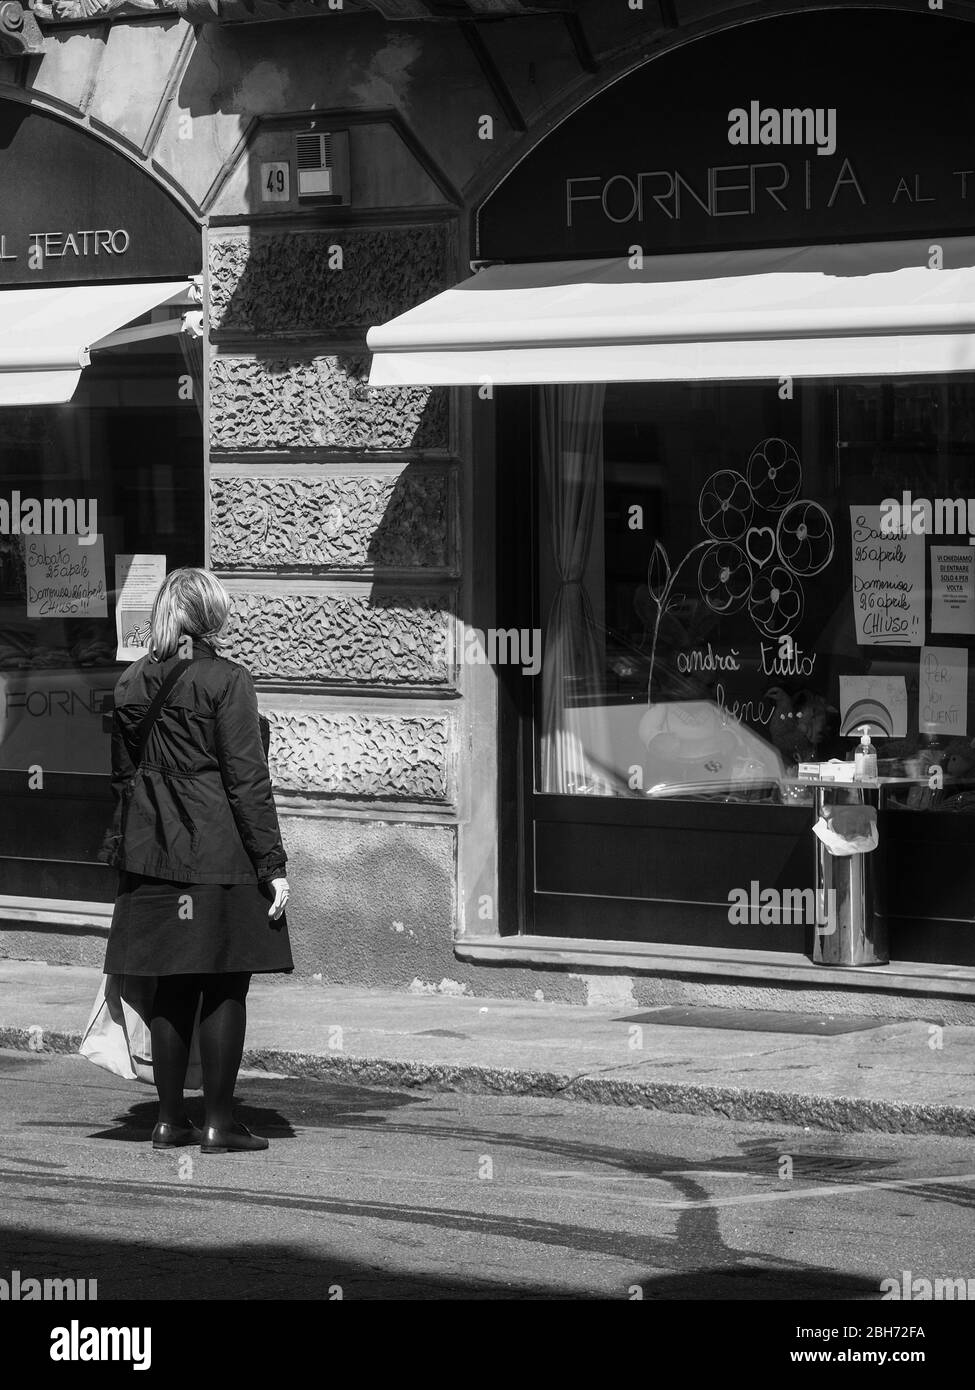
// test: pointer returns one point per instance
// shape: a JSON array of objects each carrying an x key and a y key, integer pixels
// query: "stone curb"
[{"x": 840, "y": 1113}]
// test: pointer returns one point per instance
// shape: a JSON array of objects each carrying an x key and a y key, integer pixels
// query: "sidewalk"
[{"x": 839, "y": 1073}]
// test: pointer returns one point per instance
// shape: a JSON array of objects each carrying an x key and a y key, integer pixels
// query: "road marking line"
[
  {"x": 650, "y": 1177},
  {"x": 837, "y": 1190}
]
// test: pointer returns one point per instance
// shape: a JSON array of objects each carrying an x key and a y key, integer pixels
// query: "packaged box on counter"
[
  {"x": 836, "y": 770},
  {"x": 841, "y": 771}
]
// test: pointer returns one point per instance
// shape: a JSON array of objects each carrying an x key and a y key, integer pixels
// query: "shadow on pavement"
[
  {"x": 347, "y": 1104},
  {"x": 128, "y": 1270}
]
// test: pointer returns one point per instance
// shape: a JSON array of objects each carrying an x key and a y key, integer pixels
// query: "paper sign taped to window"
[
  {"x": 953, "y": 589},
  {"x": 65, "y": 578},
  {"x": 888, "y": 583},
  {"x": 137, "y": 581},
  {"x": 880, "y": 701},
  {"x": 943, "y": 692}
]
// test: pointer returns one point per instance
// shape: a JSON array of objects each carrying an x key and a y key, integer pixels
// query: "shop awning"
[
  {"x": 47, "y": 334},
  {"x": 858, "y": 310}
]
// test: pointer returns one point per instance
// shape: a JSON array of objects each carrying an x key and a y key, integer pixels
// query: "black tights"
[{"x": 223, "y": 1018}]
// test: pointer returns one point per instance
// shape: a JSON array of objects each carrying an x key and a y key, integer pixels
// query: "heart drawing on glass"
[
  {"x": 746, "y": 566},
  {"x": 760, "y": 550}
]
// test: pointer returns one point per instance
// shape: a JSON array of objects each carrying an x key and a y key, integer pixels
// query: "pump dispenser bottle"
[{"x": 865, "y": 760}]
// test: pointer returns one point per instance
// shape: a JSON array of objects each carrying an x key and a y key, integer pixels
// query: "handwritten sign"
[
  {"x": 943, "y": 693},
  {"x": 888, "y": 583},
  {"x": 953, "y": 589},
  {"x": 65, "y": 578}
]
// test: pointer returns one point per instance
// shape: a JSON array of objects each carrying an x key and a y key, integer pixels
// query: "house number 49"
[{"x": 276, "y": 182}]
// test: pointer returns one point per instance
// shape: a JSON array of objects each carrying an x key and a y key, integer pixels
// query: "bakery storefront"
[
  {"x": 724, "y": 316},
  {"x": 101, "y": 483}
]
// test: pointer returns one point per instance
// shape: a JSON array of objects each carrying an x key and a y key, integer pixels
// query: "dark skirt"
[{"x": 164, "y": 928}]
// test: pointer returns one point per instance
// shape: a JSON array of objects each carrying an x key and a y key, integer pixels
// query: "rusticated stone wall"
[
  {"x": 290, "y": 402},
  {"x": 332, "y": 518},
  {"x": 333, "y": 514},
  {"x": 302, "y": 282},
  {"x": 384, "y": 757},
  {"x": 299, "y": 482},
  {"x": 361, "y": 636}
]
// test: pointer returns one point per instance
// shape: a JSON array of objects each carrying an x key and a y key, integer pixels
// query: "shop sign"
[
  {"x": 785, "y": 131},
  {"x": 42, "y": 246},
  {"x": 75, "y": 210},
  {"x": 53, "y": 718}
]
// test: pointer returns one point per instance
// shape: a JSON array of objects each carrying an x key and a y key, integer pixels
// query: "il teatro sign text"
[
  {"x": 78, "y": 211},
  {"x": 52, "y": 246}
]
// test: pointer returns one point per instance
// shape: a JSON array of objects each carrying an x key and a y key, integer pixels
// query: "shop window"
[
  {"x": 722, "y": 593},
  {"x": 126, "y": 455}
]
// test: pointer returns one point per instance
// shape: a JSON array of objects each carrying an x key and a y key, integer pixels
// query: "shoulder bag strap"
[{"x": 152, "y": 713}]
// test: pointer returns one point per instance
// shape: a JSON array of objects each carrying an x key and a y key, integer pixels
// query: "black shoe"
[
  {"x": 235, "y": 1139},
  {"x": 175, "y": 1136}
]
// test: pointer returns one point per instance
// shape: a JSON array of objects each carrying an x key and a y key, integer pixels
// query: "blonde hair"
[{"x": 190, "y": 602}]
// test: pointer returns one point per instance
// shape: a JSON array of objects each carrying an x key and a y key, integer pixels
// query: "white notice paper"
[
  {"x": 65, "y": 578},
  {"x": 137, "y": 581},
  {"x": 942, "y": 706},
  {"x": 888, "y": 583},
  {"x": 953, "y": 589}
]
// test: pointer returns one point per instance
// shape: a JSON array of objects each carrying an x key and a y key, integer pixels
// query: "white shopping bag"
[{"x": 117, "y": 1036}]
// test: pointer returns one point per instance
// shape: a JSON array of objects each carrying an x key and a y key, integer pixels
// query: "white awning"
[
  {"x": 47, "y": 334},
  {"x": 857, "y": 310}
]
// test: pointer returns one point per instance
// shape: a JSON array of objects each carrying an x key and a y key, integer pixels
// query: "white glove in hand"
[{"x": 280, "y": 886}]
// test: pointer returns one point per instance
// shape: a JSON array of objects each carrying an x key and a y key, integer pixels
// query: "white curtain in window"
[{"x": 571, "y": 437}]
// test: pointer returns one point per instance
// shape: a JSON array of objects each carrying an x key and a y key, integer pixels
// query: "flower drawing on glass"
[
  {"x": 762, "y": 543},
  {"x": 804, "y": 538},
  {"x": 774, "y": 474},
  {"x": 663, "y": 589},
  {"x": 765, "y": 541},
  {"x": 726, "y": 505},
  {"x": 776, "y": 601},
  {"x": 724, "y": 577}
]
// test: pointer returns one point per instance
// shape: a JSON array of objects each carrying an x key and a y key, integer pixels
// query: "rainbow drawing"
[{"x": 872, "y": 712}]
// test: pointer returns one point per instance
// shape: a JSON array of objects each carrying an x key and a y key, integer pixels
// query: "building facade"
[{"x": 463, "y": 779}]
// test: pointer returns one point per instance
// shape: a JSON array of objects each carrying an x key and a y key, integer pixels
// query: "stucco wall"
[{"x": 373, "y": 904}]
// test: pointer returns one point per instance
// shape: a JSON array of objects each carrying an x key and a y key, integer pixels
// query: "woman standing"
[{"x": 199, "y": 854}]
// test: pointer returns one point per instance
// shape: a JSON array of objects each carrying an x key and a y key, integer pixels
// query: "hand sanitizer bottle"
[{"x": 865, "y": 761}]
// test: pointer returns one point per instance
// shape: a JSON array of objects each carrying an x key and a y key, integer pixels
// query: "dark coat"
[{"x": 200, "y": 809}]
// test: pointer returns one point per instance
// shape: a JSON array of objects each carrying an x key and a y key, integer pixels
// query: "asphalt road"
[{"x": 383, "y": 1195}]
